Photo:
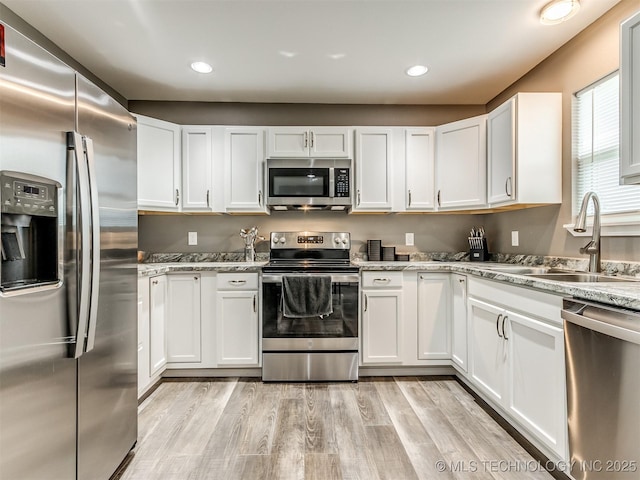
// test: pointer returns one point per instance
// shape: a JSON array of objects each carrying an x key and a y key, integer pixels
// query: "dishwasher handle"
[{"x": 616, "y": 323}]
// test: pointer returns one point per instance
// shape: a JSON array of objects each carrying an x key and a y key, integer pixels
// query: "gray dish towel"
[{"x": 306, "y": 296}]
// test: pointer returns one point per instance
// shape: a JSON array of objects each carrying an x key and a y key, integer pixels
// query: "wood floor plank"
[
  {"x": 420, "y": 447},
  {"x": 390, "y": 457},
  {"x": 371, "y": 407},
  {"x": 319, "y": 422},
  {"x": 261, "y": 421},
  {"x": 322, "y": 466}
]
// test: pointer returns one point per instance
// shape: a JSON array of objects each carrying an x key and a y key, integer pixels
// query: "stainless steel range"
[{"x": 310, "y": 295}]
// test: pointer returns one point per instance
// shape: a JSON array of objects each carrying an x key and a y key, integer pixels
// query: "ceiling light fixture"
[
  {"x": 417, "y": 70},
  {"x": 558, "y": 11},
  {"x": 201, "y": 67}
]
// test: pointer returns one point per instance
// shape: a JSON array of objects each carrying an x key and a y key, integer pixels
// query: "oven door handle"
[{"x": 335, "y": 277}]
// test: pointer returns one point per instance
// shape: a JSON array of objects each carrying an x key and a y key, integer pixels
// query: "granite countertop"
[{"x": 620, "y": 294}]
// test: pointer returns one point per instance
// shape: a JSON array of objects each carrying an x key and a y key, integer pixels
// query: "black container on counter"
[
  {"x": 374, "y": 250},
  {"x": 388, "y": 254}
]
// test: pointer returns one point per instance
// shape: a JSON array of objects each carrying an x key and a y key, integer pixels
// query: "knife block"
[{"x": 479, "y": 254}]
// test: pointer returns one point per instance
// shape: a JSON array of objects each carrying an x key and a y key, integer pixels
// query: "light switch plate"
[
  {"x": 193, "y": 238},
  {"x": 408, "y": 239},
  {"x": 515, "y": 238}
]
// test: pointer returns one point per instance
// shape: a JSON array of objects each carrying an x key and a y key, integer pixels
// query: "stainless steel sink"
[
  {"x": 518, "y": 269},
  {"x": 580, "y": 277}
]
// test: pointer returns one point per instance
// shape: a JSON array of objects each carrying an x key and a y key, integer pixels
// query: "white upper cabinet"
[
  {"x": 419, "y": 169},
  {"x": 525, "y": 150},
  {"x": 373, "y": 165},
  {"x": 461, "y": 164},
  {"x": 244, "y": 170},
  {"x": 630, "y": 101},
  {"x": 196, "y": 168},
  {"x": 158, "y": 164},
  {"x": 296, "y": 142}
]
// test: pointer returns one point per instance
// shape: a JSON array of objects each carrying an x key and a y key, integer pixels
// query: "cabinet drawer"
[
  {"x": 237, "y": 281},
  {"x": 382, "y": 279}
]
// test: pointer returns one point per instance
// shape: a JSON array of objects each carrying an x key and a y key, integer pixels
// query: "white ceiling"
[{"x": 316, "y": 51}]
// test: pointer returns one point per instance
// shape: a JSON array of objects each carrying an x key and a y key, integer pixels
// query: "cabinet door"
[
  {"x": 288, "y": 142},
  {"x": 244, "y": 170},
  {"x": 143, "y": 334},
  {"x": 382, "y": 326},
  {"x": 434, "y": 337},
  {"x": 237, "y": 328},
  {"x": 630, "y": 101},
  {"x": 373, "y": 170},
  {"x": 331, "y": 142},
  {"x": 487, "y": 349},
  {"x": 183, "y": 325},
  {"x": 461, "y": 164},
  {"x": 459, "y": 321},
  {"x": 196, "y": 168},
  {"x": 157, "y": 324},
  {"x": 501, "y": 152},
  {"x": 158, "y": 165},
  {"x": 536, "y": 379},
  {"x": 419, "y": 169}
]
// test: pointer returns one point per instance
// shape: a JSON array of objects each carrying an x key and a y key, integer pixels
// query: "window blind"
[{"x": 596, "y": 140}]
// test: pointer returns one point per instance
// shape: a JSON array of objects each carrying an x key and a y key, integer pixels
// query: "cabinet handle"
[
  {"x": 358, "y": 200},
  {"x": 498, "y": 325},
  {"x": 409, "y": 197},
  {"x": 260, "y": 197},
  {"x": 177, "y": 197},
  {"x": 382, "y": 280},
  {"x": 195, "y": 278},
  {"x": 254, "y": 304},
  {"x": 508, "y": 187},
  {"x": 504, "y": 334},
  {"x": 154, "y": 282},
  {"x": 237, "y": 282},
  {"x": 461, "y": 280},
  {"x": 312, "y": 139},
  {"x": 439, "y": 204},
  {"x": 366, "y": 302},
  {"x": 208, "y": 198},
  {"x": 306, "y": 139}
]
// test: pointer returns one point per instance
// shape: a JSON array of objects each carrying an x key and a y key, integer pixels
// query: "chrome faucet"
[
  {"x": 250, "y": 236},
  {"x": 593, "y": 247}
]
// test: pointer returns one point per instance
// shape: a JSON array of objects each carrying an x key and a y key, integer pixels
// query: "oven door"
[{"x": 337, "y": 331}]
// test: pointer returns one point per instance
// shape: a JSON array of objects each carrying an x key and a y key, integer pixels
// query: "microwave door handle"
[
  {"x": 95, "y": 245},
  {"x": 75, "y": 143},
  {"x": 332, "y": 183}
]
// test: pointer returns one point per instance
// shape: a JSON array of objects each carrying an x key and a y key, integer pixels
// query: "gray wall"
[
  {"x": 220, "y": 233},
  {"x": 588, "y": 57}
]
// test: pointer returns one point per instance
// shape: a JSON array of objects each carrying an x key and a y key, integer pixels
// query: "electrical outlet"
[
  {"x": 515, "y": 238},
  {"x": 408, "y": 239},
  {"x": 193, "y": 238}
]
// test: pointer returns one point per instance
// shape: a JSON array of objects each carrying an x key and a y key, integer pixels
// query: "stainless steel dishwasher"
[{"x": 602, "y": 348}]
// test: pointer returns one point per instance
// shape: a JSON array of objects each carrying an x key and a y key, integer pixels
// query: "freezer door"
[
  {"x": 107, "y": 371},
  {"x": 37, "y": 378}
]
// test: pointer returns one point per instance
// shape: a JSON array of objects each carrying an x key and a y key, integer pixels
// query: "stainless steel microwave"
[{"x": 309, "y": 184}]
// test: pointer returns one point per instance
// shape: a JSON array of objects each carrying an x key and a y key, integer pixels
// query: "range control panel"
[
  {"x": 308, "y": 240},
  {"x": 22, "y": 193}
]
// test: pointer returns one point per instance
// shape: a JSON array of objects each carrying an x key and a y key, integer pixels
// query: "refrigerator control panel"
[{"x": 27, "y": 194}]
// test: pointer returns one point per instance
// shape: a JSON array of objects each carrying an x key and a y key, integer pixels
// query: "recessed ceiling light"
[
  {"x": 287, "y": 53},
  {"x": 201, "y": 67},
  {"x": 417, "y": 70},
  {"x": 558, "y": 11}
]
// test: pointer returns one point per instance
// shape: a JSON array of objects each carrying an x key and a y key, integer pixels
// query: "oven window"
[
  {"x": 298, "y": 182},
  {"x": 343, "y": 322}
]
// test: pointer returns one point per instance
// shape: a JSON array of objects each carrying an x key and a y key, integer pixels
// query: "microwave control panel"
[{"x": 342, "y": 182}]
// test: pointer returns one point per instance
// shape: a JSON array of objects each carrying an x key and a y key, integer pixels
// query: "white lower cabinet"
[
  {"x": 434, "y": 321},
  {"x": 144, "y": 378},
  {"x": 382, "y": 318},
  {"x": 237, "y": 320},
  {"x": 157, "y": 324},
  {"x": 459, "y": 322},
  {"x": 183, "y": 319},
  {"x": 516, "y": 360}
]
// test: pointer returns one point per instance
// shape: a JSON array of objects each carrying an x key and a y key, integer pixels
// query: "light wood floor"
[{"x": 379, "y": 428}]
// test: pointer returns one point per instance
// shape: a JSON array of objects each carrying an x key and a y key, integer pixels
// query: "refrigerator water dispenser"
[{"x": 29, "y": 231}]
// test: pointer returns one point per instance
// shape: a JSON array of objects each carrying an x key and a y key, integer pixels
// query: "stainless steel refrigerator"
[{"x": 68, "y": 334}]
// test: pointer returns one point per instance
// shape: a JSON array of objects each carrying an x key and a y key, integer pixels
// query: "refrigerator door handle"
[
  {"x": 95, "y": 244},
  {"x": 77, "y": 145}
]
